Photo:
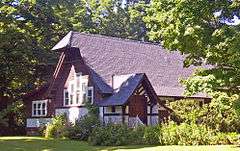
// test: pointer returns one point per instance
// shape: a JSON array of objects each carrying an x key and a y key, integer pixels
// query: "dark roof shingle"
[{"x": 109, "y": 56}]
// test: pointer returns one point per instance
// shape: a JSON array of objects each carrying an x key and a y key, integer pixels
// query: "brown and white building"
[{"x": 128, "y": 80}]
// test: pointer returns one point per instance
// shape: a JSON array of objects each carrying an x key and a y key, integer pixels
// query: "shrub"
[
  {"x": 224, "y": 138},
  {"x": 42, "y": 130},
  {"x": 110, "y": 134},
  {"x": 136, "y": 135},
  {"x": 166, "y": 134},
  {"x": 152, "y": 134},
  {"x": 185, "y": 134},
  {"x": 218, "y": 115},
  {"x": 57, "y": 128},
  {"x": 83, "y": 127},
  {"x": 193, "y": 134},
  {"x": 123, "y": 135}
]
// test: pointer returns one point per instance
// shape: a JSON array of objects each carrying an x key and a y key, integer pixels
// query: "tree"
[
  {"x": 30, "y": 28},
  {"x": 217, "y": 116},
  {"x": 204, "y": 31}
]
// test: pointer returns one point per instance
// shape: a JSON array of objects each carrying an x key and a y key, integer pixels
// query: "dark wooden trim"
[
  {"x": 123, "y": 113},
  {"x": 114, "y": 114},
  {"x": 113, "y": 108},
  {"x": 67, "y": 107},
  {"x": 153, "y": 114},
  {"x": 183, "y": 97},
  {"x": 150, "y": 115},
  {"x": 103, "y": 115},
  {"x": 73, "y": 61},
  {"x": 35, "y": 117}
]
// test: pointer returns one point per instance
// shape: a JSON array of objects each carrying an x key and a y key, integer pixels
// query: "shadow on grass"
[{"x": 41, "y": 144}]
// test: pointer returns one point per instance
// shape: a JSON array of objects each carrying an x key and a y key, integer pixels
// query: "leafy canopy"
[
  {"x": 205, "y": 32},
  {"x": 30, "y": 28}
]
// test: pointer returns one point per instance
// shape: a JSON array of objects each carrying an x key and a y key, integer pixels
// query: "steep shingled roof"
[{"x": 109, "y": 56}]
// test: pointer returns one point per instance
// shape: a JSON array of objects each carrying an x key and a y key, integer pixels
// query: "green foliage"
[
  {"x": 12, "y": 119},
  {"x": 218, "y": 115},
  {"x": 29, "y": 29},
  {"x": 185, "y": 134},
  {"x": 83, "y": 127},
  {"x": 151, "y": 135},
  {"x": 57, "y": 128},
  {"x": 136, "y": 135},
  {"x": 93, "y": 110},
  {"x": 225, "y": 138},
  {"x": 166, "y": 134},
  {"x": 202, "y": 30},
  {"x": 111, "y": 134},
  {"x": 194, "y": 134}
]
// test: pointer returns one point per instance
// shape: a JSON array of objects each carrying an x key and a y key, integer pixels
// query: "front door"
[{"x": 138, "y": 107}]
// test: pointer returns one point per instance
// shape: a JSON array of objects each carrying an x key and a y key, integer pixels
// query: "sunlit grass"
[{"x": 41, "y": 144}]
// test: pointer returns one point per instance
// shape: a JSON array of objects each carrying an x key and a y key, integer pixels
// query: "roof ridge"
[
  {"x": 118, "y": 38},
  {"x": 136, "y": 73}
]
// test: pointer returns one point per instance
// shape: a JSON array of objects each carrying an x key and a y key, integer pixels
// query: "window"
[
  {"x": 71, "y": 94},
  {"x": 77, "y": 96},
  {"x": 71, "y": 99},
  {"x": 77, "y": 91},
  {"x": 39, "y": 108},
  {"x": 78, "y": 76},
  {"x": 84, "y": 92},
  {"x": 90, "y": 94},
  {"x": 66, "y": 97}
]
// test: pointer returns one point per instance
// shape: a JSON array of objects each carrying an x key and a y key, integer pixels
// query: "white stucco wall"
[
  {"x": 113, "y": 119},
  {"x": 73, "y": 113},
  {"x": 154, "y": 109},
  {"x": 37, "y": 122},
  {"x": 152, "y": 120},
  {"x": 101, "y": 114},
  {"x": 134, "y": 122},
  {"x": 118, "y": 109}
]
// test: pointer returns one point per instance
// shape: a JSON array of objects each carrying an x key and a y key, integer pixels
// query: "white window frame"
[
  {"x": 80, "y": 90},
  {"x": 39, "y": 102}
]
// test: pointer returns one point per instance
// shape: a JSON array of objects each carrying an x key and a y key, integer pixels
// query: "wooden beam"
[
  {"x": 123, "y": 114},
  {"x": 103, "y": 116}
]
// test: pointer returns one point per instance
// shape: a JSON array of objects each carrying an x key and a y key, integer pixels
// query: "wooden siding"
[
  {"x": 66, "y": 73},
  {"x": 63, "y": 73},
  {"x": 39, "y": 94},
  {"x": 138, "y": 107}
]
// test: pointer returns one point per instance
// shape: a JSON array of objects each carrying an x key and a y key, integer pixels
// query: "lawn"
[{"x": 41, "y": 144}]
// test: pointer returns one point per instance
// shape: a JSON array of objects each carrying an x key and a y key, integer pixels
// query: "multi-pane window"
[
  {"x": 66, "y": 97},
  {"x": 72, "y": 94},
  {"x": 39, "y": 108},
  {"x": 78, "y": 91},
  {"x": 84, "y": 91},
  {"x": 90, "y": 94}
]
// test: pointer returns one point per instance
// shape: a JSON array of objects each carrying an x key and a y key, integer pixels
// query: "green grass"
[{"x": 41, "y": 144}]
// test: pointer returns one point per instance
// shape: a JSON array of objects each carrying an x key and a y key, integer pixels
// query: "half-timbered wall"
[{"x": 113, "y": 114}]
